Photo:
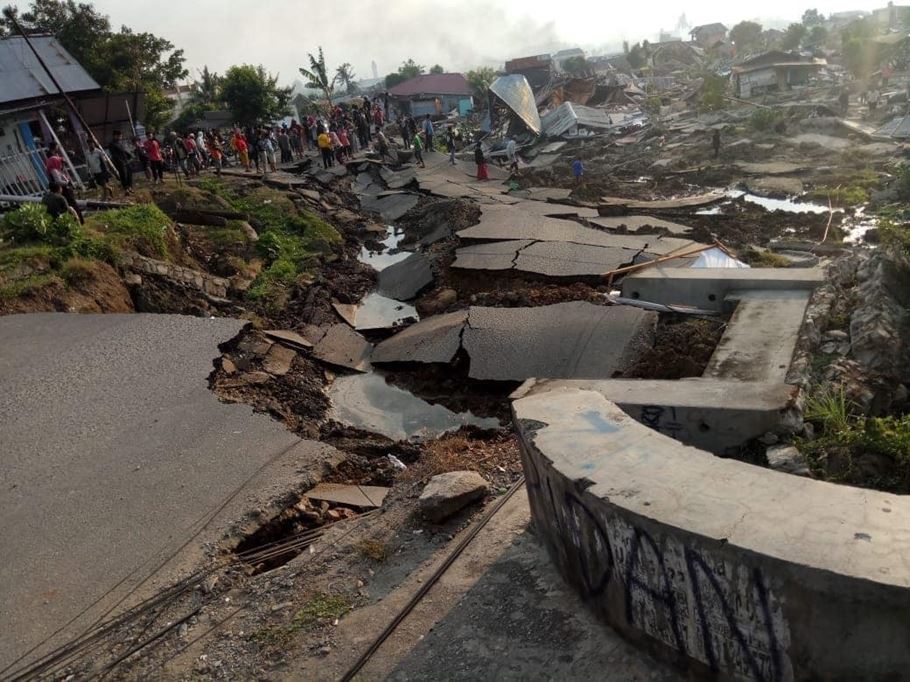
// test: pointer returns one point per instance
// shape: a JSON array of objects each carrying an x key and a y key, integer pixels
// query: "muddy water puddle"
[
  {"x": 388, "y": 254},
  {"x": 366, "y": 401},
  {"x": 790, "y": 205}
]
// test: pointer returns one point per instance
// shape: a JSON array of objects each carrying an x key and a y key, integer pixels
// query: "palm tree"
[
  {"x": 318, "y": 78},
  {"x": 345, "y": 75},
  {"x": 207, "y": 90}
]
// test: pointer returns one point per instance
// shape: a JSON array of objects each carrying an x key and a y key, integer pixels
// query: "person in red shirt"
[
  {"x": 242, "y": 148},
  {"x": 192, "y": 153},
  {"x": 153, "y": 149}
]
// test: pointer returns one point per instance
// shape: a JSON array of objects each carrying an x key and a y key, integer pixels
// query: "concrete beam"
[
  {"x": 710, "y": 414},
  {"x": 761, "y": 336},
  {"x": 707, "y": 288},
  {"x": 734, "y": 571}
]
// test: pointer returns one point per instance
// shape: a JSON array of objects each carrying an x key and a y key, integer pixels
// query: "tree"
[
  {"x": 480, "y": 80},
  {"x": 437, "y": 69},
  {"x": 811, "y": 17},
  {"x": 344, "y": 74},
  {"x": 746, "y": 36},
  {"x": 394, "y": 79},
  {"x": 816, "y": 38},
  {"x": 206, "y": 91},
  {"x": 318, "y": 77},
  {"x": 793, "y": 36},
  {"x": 253, "y": 96},
  {"x": 638, "y": 56},
  {"x": 575, "y": 66},
  {"x": 410, "y": 69}
]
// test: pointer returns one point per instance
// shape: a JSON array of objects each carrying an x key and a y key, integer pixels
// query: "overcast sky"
[{"x": 279, "y": 33}]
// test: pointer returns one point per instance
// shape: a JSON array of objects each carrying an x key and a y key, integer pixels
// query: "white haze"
[{"x": 458, "y": 34}]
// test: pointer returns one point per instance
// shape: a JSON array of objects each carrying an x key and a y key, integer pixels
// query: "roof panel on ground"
[{"x": 566, "y": 340}]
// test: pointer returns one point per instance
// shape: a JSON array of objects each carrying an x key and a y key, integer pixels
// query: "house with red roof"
[{"x": 434, "y": 93}]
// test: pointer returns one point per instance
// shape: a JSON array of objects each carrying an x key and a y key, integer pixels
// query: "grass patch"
[
  {"x": 27, "y": 285},
  {"x": 33, "y": 254},
  {"x": 321, "y": 609},
  {"x": 374, "y": 549},
  {"x": 895, "y": 236},
  {"x": 765, "y": 119},
  {"x": 142, "y": 227},
  {"x": 77, "y": 270},
  {"x": 851, "y": 195},
  {"x": 872, "y": 452},
  {"x": 226, "y": 237},
  {"x": 759, "y": 258}
]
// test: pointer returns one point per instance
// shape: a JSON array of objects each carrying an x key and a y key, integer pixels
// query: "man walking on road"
[{"x": 428, "y": 131}]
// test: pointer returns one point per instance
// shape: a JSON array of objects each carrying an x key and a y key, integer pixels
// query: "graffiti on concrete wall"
[{"x": 701, "y": 604}]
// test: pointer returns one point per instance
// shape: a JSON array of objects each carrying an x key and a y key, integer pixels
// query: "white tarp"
[{"x": 716, "y": 258}]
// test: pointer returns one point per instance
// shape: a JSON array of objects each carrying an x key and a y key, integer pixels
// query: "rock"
[
  {"x": 787, "y": 459},
  {"x": 132, "y": 278},
  {"x": 228, "y": 366},
  {"x": 278, "y": 360},
  {"x": 254, "y": 344},
  {"x": 248, "y": 230},
  {"x": 769, "y": 438},
  {"x": 448, "y": 493},
  {"x": 437, "y": 303},
  {"x": 836, "y": 335}
]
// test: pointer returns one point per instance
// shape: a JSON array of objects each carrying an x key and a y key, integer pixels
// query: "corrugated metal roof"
[
  {"x": 516, "y": 93},
  {"x": 433, "y": 84},
  {"x": 23, "y": 78}
]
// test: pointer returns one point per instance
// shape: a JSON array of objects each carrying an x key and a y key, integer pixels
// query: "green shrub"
[
  {"x": 830, "y": 410},
  {"x": 895, "y": 236},
  {"x": 765, "y": 119},
  {"x": 32, "y": 223}
]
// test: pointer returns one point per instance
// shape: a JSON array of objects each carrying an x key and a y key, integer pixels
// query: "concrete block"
[
  {"x": 707, "y": 288},
  {"x": 740, "y": 571}
]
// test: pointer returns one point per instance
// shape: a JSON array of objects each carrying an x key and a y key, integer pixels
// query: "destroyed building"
[
  {"x": 708, "y": 35},
  {"x": 774, "y": 71},
  {"x": 433, "y": 94}
]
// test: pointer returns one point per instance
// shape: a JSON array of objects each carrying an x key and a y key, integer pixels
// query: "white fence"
[{"x": 22, "y": 173}]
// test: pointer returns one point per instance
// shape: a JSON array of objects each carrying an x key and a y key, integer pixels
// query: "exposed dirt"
[
  {"x": 346, "y": 281},
  {"x": 437, "y": 216},
  {"x": 682, "y": 348},
  {"x": 296, "y": 397},
  {"x": 93, "y": 287}
]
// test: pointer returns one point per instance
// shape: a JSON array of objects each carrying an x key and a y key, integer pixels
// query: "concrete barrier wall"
[{"x": 726, "y": 568}]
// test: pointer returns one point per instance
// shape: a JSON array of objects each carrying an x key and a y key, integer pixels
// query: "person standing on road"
[
  {"x": 512, "y": 155},
  {"x": 418, "y": 150},
  {"x": 121, "y": 158},
  {"x": 715, "y": 142},
  {"x": 450, "y": 143},
  {"x": 481, "y": 161},
  {"x": 243, "y": 150},
  {"x": 428, "y": 132},
  {"x": 284, "y": 144},
  {"x": 578, "y": 170},
  {"x": 325, "y": 148}
]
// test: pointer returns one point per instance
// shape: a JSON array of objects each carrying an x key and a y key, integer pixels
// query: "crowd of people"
[{"x": 348, "y": 129}]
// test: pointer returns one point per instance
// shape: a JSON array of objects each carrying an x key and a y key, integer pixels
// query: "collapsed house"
[
  {"x": 433, "y": 94},
  {"x": 774, "y": 71}
]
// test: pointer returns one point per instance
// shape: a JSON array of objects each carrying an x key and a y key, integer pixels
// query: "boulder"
[
  {"x": 451, "y": 492},
  {"x": 278, "y": 360},
  {"x": 787, "y": 459}
]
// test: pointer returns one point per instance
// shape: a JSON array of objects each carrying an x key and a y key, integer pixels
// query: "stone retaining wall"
[
  {"x": 210, "y": 284},
  {"x": 729, "y": 569}
]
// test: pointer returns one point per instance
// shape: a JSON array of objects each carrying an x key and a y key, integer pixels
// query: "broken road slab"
[
  {"x": 639, "y": 224},
  {"x": 288, "y": 337},
  {"x": 552, "y": 259},
  {"x": 363, "y": 496},
  {"x": 390, "y": 207},
  {"x": 344, "y": 347},
  {"x": 434, "y": 340},
  {"x": 562, "y": 341},
  {"x": 695, "y": 201},
  {"x": 407, "y": 278},
  {"x": 115, "y": 454}
]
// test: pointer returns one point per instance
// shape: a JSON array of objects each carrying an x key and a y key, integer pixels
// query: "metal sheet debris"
[{"x": 515, "y": 93}]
